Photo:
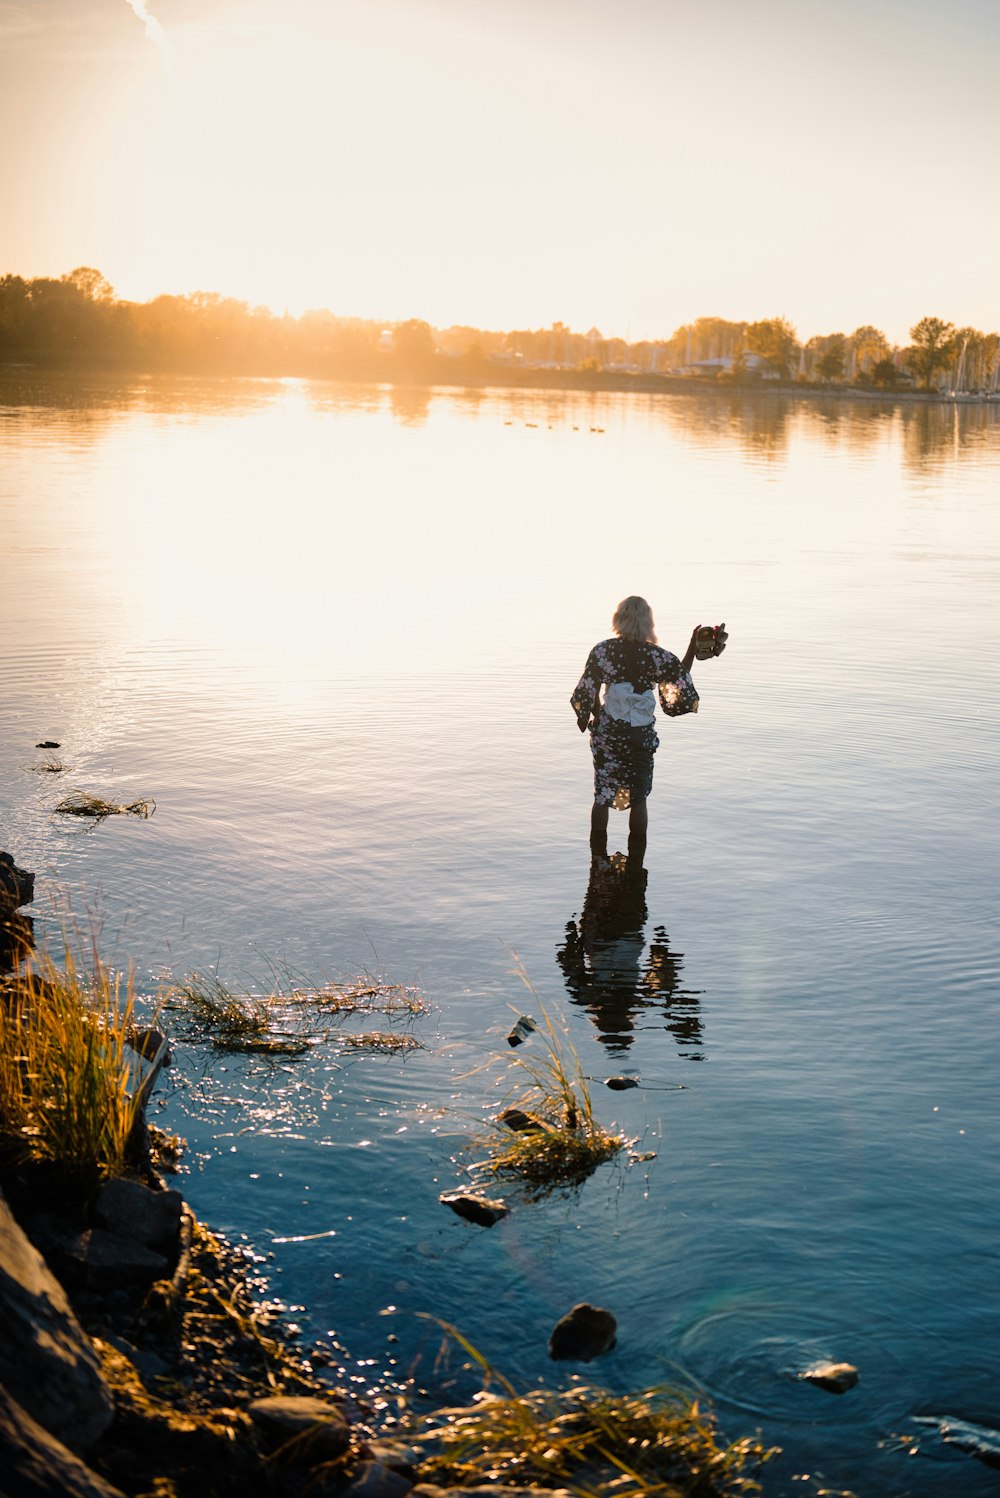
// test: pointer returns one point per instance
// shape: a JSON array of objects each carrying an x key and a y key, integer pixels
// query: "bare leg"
[
  {"x": 598, "y": 818},
  {"x": 638, "y": 818}
]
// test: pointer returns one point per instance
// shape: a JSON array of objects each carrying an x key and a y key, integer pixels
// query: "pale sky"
[{"x": 506, "y": 163}]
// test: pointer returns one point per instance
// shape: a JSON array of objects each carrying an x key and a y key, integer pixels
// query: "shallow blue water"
[{"x": 333, "y": 633}]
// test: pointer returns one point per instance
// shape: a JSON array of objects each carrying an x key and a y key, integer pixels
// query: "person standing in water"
[{"x": 627, "y": 668}]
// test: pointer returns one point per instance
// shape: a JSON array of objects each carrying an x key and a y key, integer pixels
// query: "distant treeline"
[{"x": 77, "y": 320}]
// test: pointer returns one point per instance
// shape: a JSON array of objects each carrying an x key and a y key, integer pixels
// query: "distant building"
[{"x": 752, "y": 363}]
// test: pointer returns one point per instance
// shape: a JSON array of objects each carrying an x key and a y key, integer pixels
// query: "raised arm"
[
  {"x": 675, "y": 689},
  {"x": 687, "y": 660}
]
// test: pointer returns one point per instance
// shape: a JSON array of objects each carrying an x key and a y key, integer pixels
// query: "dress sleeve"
[
  {"x": 585, "y": 694},
  {"x": 675, "y": 688}
]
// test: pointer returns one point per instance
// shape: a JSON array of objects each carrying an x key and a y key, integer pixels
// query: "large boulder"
[
  {"x": 35, "y": 1465},
  {"x": 17, "y": 886},
  {"x": 50, "y": 1368},
  {"x": 134, "y": 1211},
  {"x": 99, "y": 1260}
]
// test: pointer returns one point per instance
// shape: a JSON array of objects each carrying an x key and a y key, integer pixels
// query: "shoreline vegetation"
[
  {"x": 140, "y": 1355},
  {"x": 75, "y": 323}
]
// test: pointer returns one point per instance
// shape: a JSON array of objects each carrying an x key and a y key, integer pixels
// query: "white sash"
[{"x": 628, "y": 706}]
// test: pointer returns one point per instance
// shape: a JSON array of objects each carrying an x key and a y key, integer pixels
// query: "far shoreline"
[{"x": 452, "y": 374}]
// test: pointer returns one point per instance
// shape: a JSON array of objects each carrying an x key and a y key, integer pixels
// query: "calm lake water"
[{"x": 333, "y": 632}]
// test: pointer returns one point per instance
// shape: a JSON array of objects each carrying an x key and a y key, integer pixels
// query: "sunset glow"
[{"x": 632, "y": 166}]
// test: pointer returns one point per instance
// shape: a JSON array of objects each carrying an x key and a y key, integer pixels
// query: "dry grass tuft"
[
  {"x": 50, "y": 765},
  {"x": 653, "y": 1444},
  {"x": 566, "y": 1143},
  {"x": 83, "y": 804},
  {"x": 64, "y": 1068}
]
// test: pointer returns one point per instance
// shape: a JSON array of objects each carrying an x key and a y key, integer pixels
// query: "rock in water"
[
  {"x": 478, "y": 1209},
  {"x": 147, "y": 1044},
  {"x": 519, "y": 1121},
  {"x": 620, "y": 1084},
  {"x": 521, "y": 1030},
  {"x": 584, "y": 1333},
  {"x": 837, "y": 1377},
  {"x": 50, "y": 1368}
]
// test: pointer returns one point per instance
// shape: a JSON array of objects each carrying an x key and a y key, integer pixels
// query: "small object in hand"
[
  {"x": 520, "y": 1032},
  {"x": 710, "y": 641}
]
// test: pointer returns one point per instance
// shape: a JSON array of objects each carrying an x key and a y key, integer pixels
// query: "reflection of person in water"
[{"x": 604, "y": 959}]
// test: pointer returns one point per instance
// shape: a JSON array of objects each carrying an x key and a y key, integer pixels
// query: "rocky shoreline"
[{"x": 140, "y": 1359}]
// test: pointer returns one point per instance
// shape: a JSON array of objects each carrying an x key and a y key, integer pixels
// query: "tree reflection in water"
[{"x": 608, "y": 970}]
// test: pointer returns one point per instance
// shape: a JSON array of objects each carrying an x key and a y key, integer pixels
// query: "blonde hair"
[{"x": 633, "y": 620}]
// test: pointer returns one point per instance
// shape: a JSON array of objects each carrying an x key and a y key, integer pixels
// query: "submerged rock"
[
  {"x": 620, "y": 1084},
  {"x": 980, "y": 1441},
  {"x": 583, "y": 1333},
  {"x": 50, "y": 1368},
  {"x": 837, "y": 1377},
  {"x": 478, "y": 1209},
  {"x": 305, "y": 1430}
]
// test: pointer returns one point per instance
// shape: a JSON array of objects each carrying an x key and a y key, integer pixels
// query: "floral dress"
[{"x": 623, "y": 739}]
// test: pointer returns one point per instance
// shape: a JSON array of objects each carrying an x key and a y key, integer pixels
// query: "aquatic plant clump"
[
  {"x": 366, "y": 996},
  {"x": 231, "y": 1022},
  {"x": 84, "y": 804},
  {"x": 65, "y": 1080},
  {"x": 650, "y": 1443},
  {"x": 549, "y": 1137},
  {"x": 283, "y": 1022},
  {"x": 382, "y": 1040}
]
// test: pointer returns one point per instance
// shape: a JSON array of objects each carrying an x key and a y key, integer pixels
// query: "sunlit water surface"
[{"x": 333, "y": 631}]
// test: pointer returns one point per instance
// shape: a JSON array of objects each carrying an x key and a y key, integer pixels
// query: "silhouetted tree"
[
  {"x": 933, "y": 347},
  {"x": 413, "y": 343},
  {"x": 884, "y": 374},
  {"x": 775, "y": 341}
]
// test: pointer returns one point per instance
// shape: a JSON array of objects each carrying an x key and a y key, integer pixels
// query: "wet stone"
[
  {"x": 519, "y": 1121},
  {"x": 478, "y": 1209},
  {"x": 584, "y": 1333},
  {"x": 147, "y": 1043},
  {"x": 836, "y": 1377}
]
